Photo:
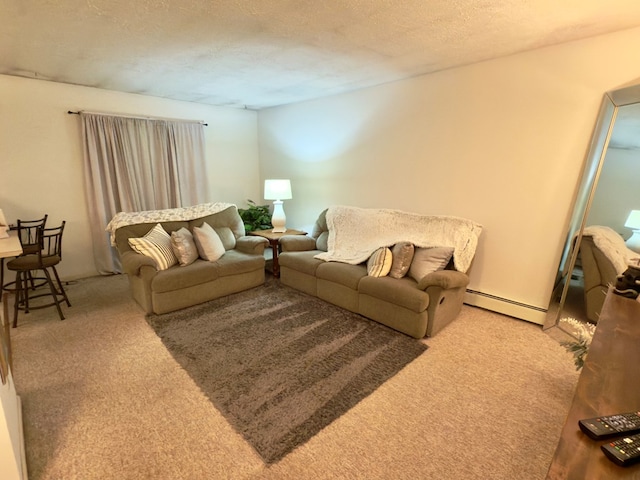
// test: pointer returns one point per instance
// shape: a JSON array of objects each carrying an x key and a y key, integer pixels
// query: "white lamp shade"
[
  {"x": 633, "y": 220},
  {"x": 277, "y": 189}
]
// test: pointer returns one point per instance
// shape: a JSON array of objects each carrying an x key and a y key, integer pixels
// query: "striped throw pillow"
[
  {"x": 379, "y": 263},
  {"x": 157, "y": 245}
]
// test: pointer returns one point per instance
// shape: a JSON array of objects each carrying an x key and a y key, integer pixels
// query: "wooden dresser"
[
  {"x": 13, "y": 464},
  {"x": 609, "y": 383}
]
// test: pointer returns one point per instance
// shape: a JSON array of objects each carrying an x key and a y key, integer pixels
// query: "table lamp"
[
  {"x": 278, "y": 190},
  {"x": 633, "y": 222}
]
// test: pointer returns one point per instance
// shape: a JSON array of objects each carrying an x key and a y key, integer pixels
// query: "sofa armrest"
[
  {"x": 297, "y": 243},
  {"x": 132, "y": 262},
  {"x": 445, "y": 279},
  {"x": 252, "y": 245}
]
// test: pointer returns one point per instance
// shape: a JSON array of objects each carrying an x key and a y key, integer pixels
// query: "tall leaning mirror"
[{"x": 599, "y": 230}]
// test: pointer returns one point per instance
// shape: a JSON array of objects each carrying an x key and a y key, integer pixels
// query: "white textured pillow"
[
  {"x": 184, "y": 246},
  {"x": 428, "y": 260},
  {"x": 379, "y": 263},
  {"x": 157, "y": 245},
  {"x": 209, "y": 245}
]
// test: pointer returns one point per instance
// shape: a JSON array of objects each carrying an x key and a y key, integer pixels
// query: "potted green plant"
[{"x": 255, "y": 217}]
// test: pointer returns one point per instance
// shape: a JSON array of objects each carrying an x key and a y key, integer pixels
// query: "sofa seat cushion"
[
  {"x": 179, "y": 277},
  {"x": 234, "y": 263},
  {"x": 342, "y": 273},
  {"x": 301, "y": 261},
  {"x": 399, "y": 291}
]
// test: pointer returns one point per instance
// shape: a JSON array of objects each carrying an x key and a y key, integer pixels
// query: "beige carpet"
[{"x": 103, "y": 399}]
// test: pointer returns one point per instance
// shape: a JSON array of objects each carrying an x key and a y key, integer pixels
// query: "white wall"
[
  {"x": 501, "y": 142},
  {"x": 41, "y": 168}
]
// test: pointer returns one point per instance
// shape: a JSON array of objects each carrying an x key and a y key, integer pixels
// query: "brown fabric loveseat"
[
  {"x": 604, "y": 256},
  {"x": 242, "y": 266},
  {"x": 416, "y": 308}
]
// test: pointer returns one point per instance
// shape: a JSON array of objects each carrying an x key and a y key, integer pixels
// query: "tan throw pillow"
[
  {"x": 184, "y": 246},
  {"x": 402, "y": 254},
  {"x": 379, "y": 263},
  {"x": 157, "y": 245},
  {"x": 428, "y": 260},
  {"x": 208, "y": 242}
]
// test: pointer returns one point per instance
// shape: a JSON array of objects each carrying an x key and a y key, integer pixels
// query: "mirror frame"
[{"x": 594, "y": 162}]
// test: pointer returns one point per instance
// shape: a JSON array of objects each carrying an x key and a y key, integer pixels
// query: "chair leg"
[
  {"x": 18, "y": 292},
  {"x": 54, "y": 292},
  {"x": 62, "y": 291},
  {"x": 24, "y": 290}
]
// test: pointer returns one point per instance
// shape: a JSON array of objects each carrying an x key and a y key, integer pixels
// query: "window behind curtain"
[{"x": 135, "y": 164}]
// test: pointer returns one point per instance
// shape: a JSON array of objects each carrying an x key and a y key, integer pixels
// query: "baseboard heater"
[{"x": 505, "y": 306}]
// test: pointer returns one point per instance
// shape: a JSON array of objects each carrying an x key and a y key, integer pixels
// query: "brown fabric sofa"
[
  {"x": 414, "y": 308},
  {"x": 603, "y": 256},
  {"x": 599, "y": 274},
  {"x": 240, "y": 268}
]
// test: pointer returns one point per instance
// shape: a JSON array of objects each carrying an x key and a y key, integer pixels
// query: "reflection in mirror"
[{"x": 595, "y": 251}]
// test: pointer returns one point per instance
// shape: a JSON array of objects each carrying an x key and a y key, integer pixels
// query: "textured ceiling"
[{"x": 261, "y": 53}]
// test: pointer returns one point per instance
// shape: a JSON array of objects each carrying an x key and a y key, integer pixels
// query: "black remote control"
[
  {"x": 623, "y": 452},
  {"x": 611, "y": 425}
]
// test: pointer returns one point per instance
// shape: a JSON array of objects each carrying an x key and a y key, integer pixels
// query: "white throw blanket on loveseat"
[
  {"x": 355, "y": 233},
  {"x": 612, "y": 245}
]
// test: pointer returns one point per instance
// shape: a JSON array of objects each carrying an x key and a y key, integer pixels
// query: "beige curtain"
[{"x": 134, "y": 164}]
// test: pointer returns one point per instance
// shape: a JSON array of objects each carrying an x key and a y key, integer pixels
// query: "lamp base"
[
  {"x": 278, "y": 218},
  {"x": 633, "y": 242}
]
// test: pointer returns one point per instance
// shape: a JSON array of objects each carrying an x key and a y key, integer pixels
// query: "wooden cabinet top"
[{"x": 608, "y": 384}]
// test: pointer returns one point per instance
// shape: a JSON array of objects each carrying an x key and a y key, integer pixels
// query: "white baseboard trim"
[{"x": 505, "y": 306}]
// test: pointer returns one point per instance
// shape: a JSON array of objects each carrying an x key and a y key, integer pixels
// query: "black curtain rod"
[{"x": 78, "y": 113}]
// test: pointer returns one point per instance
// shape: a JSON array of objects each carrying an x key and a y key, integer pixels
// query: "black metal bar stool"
[
  {"x": 47, "y": 255},
  {"x": 26, "y": 230}
]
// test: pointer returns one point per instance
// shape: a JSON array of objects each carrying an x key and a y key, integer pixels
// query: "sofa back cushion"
[
  {"x": 229, "y": 217},
  {"x": 227, "y": 237},
  {"x": 321, "y": 232}
]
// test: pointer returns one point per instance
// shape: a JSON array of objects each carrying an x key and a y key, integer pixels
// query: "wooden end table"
[{"x": 274, "y": 243}]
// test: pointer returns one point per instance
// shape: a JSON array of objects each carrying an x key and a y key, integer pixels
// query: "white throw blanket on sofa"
[
  {"x": 355, "y": 233},
  {"x": 123, "y": 219}
]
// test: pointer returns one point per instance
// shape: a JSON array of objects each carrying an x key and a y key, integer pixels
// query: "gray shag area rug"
[{"x": 281, "y": 365}]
